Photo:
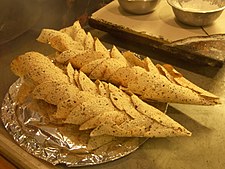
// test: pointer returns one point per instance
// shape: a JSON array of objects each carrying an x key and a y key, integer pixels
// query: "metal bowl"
[
  {"x": 139, "y": 6},
  {"x": 197, "y": 12}
]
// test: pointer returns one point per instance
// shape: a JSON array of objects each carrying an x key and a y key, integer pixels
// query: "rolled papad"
[
  {"x": 102, "y": 113},
  {"x": 155, "y": 83}
]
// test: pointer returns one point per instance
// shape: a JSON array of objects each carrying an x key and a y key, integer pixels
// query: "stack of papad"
[
  {"x": 100, "y": 107},
  {"x": 150, "y": 82}
]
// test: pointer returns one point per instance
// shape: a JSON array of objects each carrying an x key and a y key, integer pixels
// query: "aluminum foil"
[{"x": 56, "y": 143}]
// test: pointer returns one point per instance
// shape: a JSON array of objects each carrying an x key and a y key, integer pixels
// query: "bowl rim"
[
  {"x": 194, "y": 11},
  {"x": 138, "y": 0}
]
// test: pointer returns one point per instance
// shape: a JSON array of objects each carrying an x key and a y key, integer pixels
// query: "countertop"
[
  {"x": 4, "y": 163},
  {"x": 204, "y": 149}
]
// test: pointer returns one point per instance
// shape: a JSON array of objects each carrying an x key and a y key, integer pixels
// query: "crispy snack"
[
  {"x": 142, "y": 77},
  {"x": 26, "y": 66},
  {"x": 100, "y": 107}
]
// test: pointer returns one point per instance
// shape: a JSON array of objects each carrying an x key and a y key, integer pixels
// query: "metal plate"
[{"x": 54, "y": 143}]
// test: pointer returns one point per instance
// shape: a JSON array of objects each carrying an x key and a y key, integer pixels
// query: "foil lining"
[{"x": 57, "y": 143}]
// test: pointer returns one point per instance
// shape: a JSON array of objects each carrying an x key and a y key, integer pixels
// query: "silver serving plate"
[{"x": 51, "y": 142}]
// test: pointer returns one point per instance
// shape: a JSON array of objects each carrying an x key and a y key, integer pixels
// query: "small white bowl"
[{"x": 197, "y": 12}]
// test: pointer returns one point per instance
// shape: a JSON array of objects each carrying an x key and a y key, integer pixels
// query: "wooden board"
[
  {"x": 18, "y": 156},
  {"x": 159, "y": 29}
]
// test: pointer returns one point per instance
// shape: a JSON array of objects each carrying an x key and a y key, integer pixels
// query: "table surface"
[
  {"x": 204, "y": 149},
  {"x": 4, "y": 163}
]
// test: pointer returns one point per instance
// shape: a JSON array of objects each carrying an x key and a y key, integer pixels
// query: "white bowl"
[{"x": 197, "y": 12}]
